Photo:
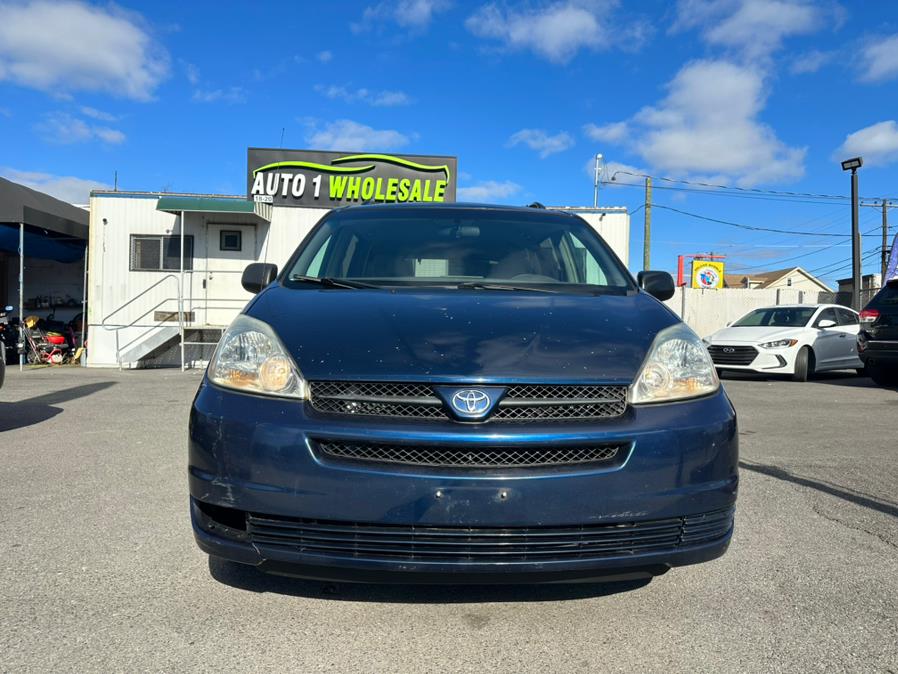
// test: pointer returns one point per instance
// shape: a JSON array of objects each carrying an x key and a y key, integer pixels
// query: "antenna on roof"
[
  {"x": 535, "y": 204},
  {"x": 115, "y": 181},
  {"x": 282, "y": 136}
]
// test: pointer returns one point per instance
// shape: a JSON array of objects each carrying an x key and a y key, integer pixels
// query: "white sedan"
[{"x": 794, "y": 339}]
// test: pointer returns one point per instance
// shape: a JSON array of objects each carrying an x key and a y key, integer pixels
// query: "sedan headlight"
[
  {"x": 779, "y": 344},
  {"x": 677, "y": 366},
  {"x": 251, "y": 358}
]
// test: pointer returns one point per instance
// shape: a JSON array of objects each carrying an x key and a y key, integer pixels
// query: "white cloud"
[
  {"x": 541, "y": 142},
  {"x": 488, "y": 191},
  {"x": 708, "y": 125},
  {"x": 877, "y": 144},
  {"x": 68, "y": 188},
  {"x": 99, "y": 115},
  {"x": 754, "y": 28},
  {"x": 384, "y": 98},
  {"x": 66, "y": 46},
  {"x": 63, "y": 129},
  {"x": 811, "y": 62},
  {"x": 192, "y": 73},
  {"x": 224, "y": 95},
  {"x": 414, "y": 15},
  {"x": 556, "y": 31},
  {"x": 325, "y": 56},
  {"x": 879, "y": 59},
  {"x": 616, "y": 132},
  {"x": 347, "y": 135}
]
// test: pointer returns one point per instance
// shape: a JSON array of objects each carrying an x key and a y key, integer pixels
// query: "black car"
[{"x": 877, "y": 341}]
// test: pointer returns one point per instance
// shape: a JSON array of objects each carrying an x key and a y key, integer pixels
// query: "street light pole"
[
  {"x": 853, "y": 165},
  {"x": 595, "y": 193},
  {"x": 855, "y": 246}
]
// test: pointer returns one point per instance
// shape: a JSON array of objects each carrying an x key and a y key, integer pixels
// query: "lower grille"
[
  {"x": 472, "y": 457},
  {"x": 732, "y": 355},
  {"x": 486, "y": 544}
]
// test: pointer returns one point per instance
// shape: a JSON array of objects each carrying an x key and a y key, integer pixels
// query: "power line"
[
  {"x": 752, "y": 228},
  {"x": 770, "y": 263},
  {"x": 749, "y": 190}
]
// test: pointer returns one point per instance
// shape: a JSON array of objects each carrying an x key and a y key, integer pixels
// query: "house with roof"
[{"x": 793, "y": 278}]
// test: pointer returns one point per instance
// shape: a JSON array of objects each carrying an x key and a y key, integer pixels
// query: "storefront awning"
[
  {"x": 41, "y": 245},
  {"x": 219, "y": 205}
]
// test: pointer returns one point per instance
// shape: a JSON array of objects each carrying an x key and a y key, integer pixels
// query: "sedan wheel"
[{"x": 804, "y": 365}]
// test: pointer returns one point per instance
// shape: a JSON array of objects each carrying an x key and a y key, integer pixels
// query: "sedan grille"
[
  {"x": 732, "y": 355},
  {"x": 485, "y": 544},
  {"x": 456, "y": 456},
  {"x": 522, "y": 402}
]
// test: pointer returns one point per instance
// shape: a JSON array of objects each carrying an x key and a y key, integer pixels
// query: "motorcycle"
[{"x": 46, "y": 341}]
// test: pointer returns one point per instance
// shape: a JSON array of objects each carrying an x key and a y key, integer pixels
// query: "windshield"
[
  {"x": 777, "y": 317},
  {"x": 460, "y": 248}
]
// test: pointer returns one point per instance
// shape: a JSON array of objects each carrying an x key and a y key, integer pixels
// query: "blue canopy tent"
[{"x": 40, "y": 226}]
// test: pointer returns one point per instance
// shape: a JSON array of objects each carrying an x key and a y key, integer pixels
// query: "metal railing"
[
  {"x": 208, "y": 304},
  {"x": 118, "y": 327}
]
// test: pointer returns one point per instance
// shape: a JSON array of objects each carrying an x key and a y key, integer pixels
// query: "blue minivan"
[{"x": 460, "y": 394}]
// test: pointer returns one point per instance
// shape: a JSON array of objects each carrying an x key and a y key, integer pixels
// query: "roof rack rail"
[{"x": 535, "y": 204}]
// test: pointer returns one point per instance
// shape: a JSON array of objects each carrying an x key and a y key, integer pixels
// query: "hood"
[
  {"x": 450, "y": 335},
  {"x": 753, "y": 334}
]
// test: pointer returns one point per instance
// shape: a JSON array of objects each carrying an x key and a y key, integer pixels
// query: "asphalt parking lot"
[{"x": 99, "y": 571}]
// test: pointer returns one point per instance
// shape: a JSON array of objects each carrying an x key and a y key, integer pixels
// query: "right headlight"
[
  {"x": 677, "y": 367},
  {"x": 251, "y": 358}
]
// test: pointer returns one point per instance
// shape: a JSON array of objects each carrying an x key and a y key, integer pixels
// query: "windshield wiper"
[
  {"x": 480, "y": 285},
  {"x": 330, "y": 282}
]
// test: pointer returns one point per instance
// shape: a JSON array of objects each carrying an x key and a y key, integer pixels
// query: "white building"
[{"x": 134, "y": 268}]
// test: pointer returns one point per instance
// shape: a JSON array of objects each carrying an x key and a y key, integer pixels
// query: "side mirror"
[
  {"x": 658, "y": 284},
  {"x": 826, "y": 323},
  {"x": 258, "y": 275}
]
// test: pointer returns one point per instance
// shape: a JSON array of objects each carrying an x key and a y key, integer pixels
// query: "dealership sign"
[
  {"x": 330, "y": 179},
  {"x": 707, "y": 274}
]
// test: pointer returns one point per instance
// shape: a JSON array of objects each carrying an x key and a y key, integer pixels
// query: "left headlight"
[
  {"x": 251, "y": 358},
  {"x": 677, "y": 367},
  {"x": 780, "y": 343}
]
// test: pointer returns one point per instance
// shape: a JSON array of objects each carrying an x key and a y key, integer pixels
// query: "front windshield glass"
[
  {"x": 777, "y": 317},
  {"x": 449, "y": 248}
]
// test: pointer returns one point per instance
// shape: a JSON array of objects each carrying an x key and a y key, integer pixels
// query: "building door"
[{"x": 229, "y": 249}]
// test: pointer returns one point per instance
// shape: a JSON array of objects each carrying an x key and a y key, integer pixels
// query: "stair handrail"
[{"x": 137, "y": 297}]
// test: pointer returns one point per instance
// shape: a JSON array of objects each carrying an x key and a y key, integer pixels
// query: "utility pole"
[
  {"x": 885, "y": 241},
  {"x": 647, "y": 234}
]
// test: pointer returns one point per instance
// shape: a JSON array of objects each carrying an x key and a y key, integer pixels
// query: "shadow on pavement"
[
  {"x": 249, "y": 578},
  {"x": 41, "y": 408},
  {"x": 865, "y": 500}
]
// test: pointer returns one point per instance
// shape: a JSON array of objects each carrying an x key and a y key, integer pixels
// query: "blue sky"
[{"x": 754, "y": 94}]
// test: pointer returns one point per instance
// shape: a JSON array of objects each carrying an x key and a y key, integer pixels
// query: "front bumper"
[
  {"x": 255, "y": 458},
  {"x": 777, "y": 361}
]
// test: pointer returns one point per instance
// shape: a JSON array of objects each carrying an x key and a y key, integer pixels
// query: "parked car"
[
  {"x": 877, "y": 342},
  {"x": 457, "y": 393},
  {"x": 797, "y": 340}
]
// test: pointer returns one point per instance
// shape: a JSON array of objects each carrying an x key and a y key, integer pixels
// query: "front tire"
[{"x": 804, "y": 365}]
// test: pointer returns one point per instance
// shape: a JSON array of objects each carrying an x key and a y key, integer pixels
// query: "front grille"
[
  {"x": 522, "y": 402},
  {"x": 377, "y": 399},
  {"x": 486, "y": 544},
  {"x": 732, "y": 355},
  {"x": 456, "y": 456}
]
